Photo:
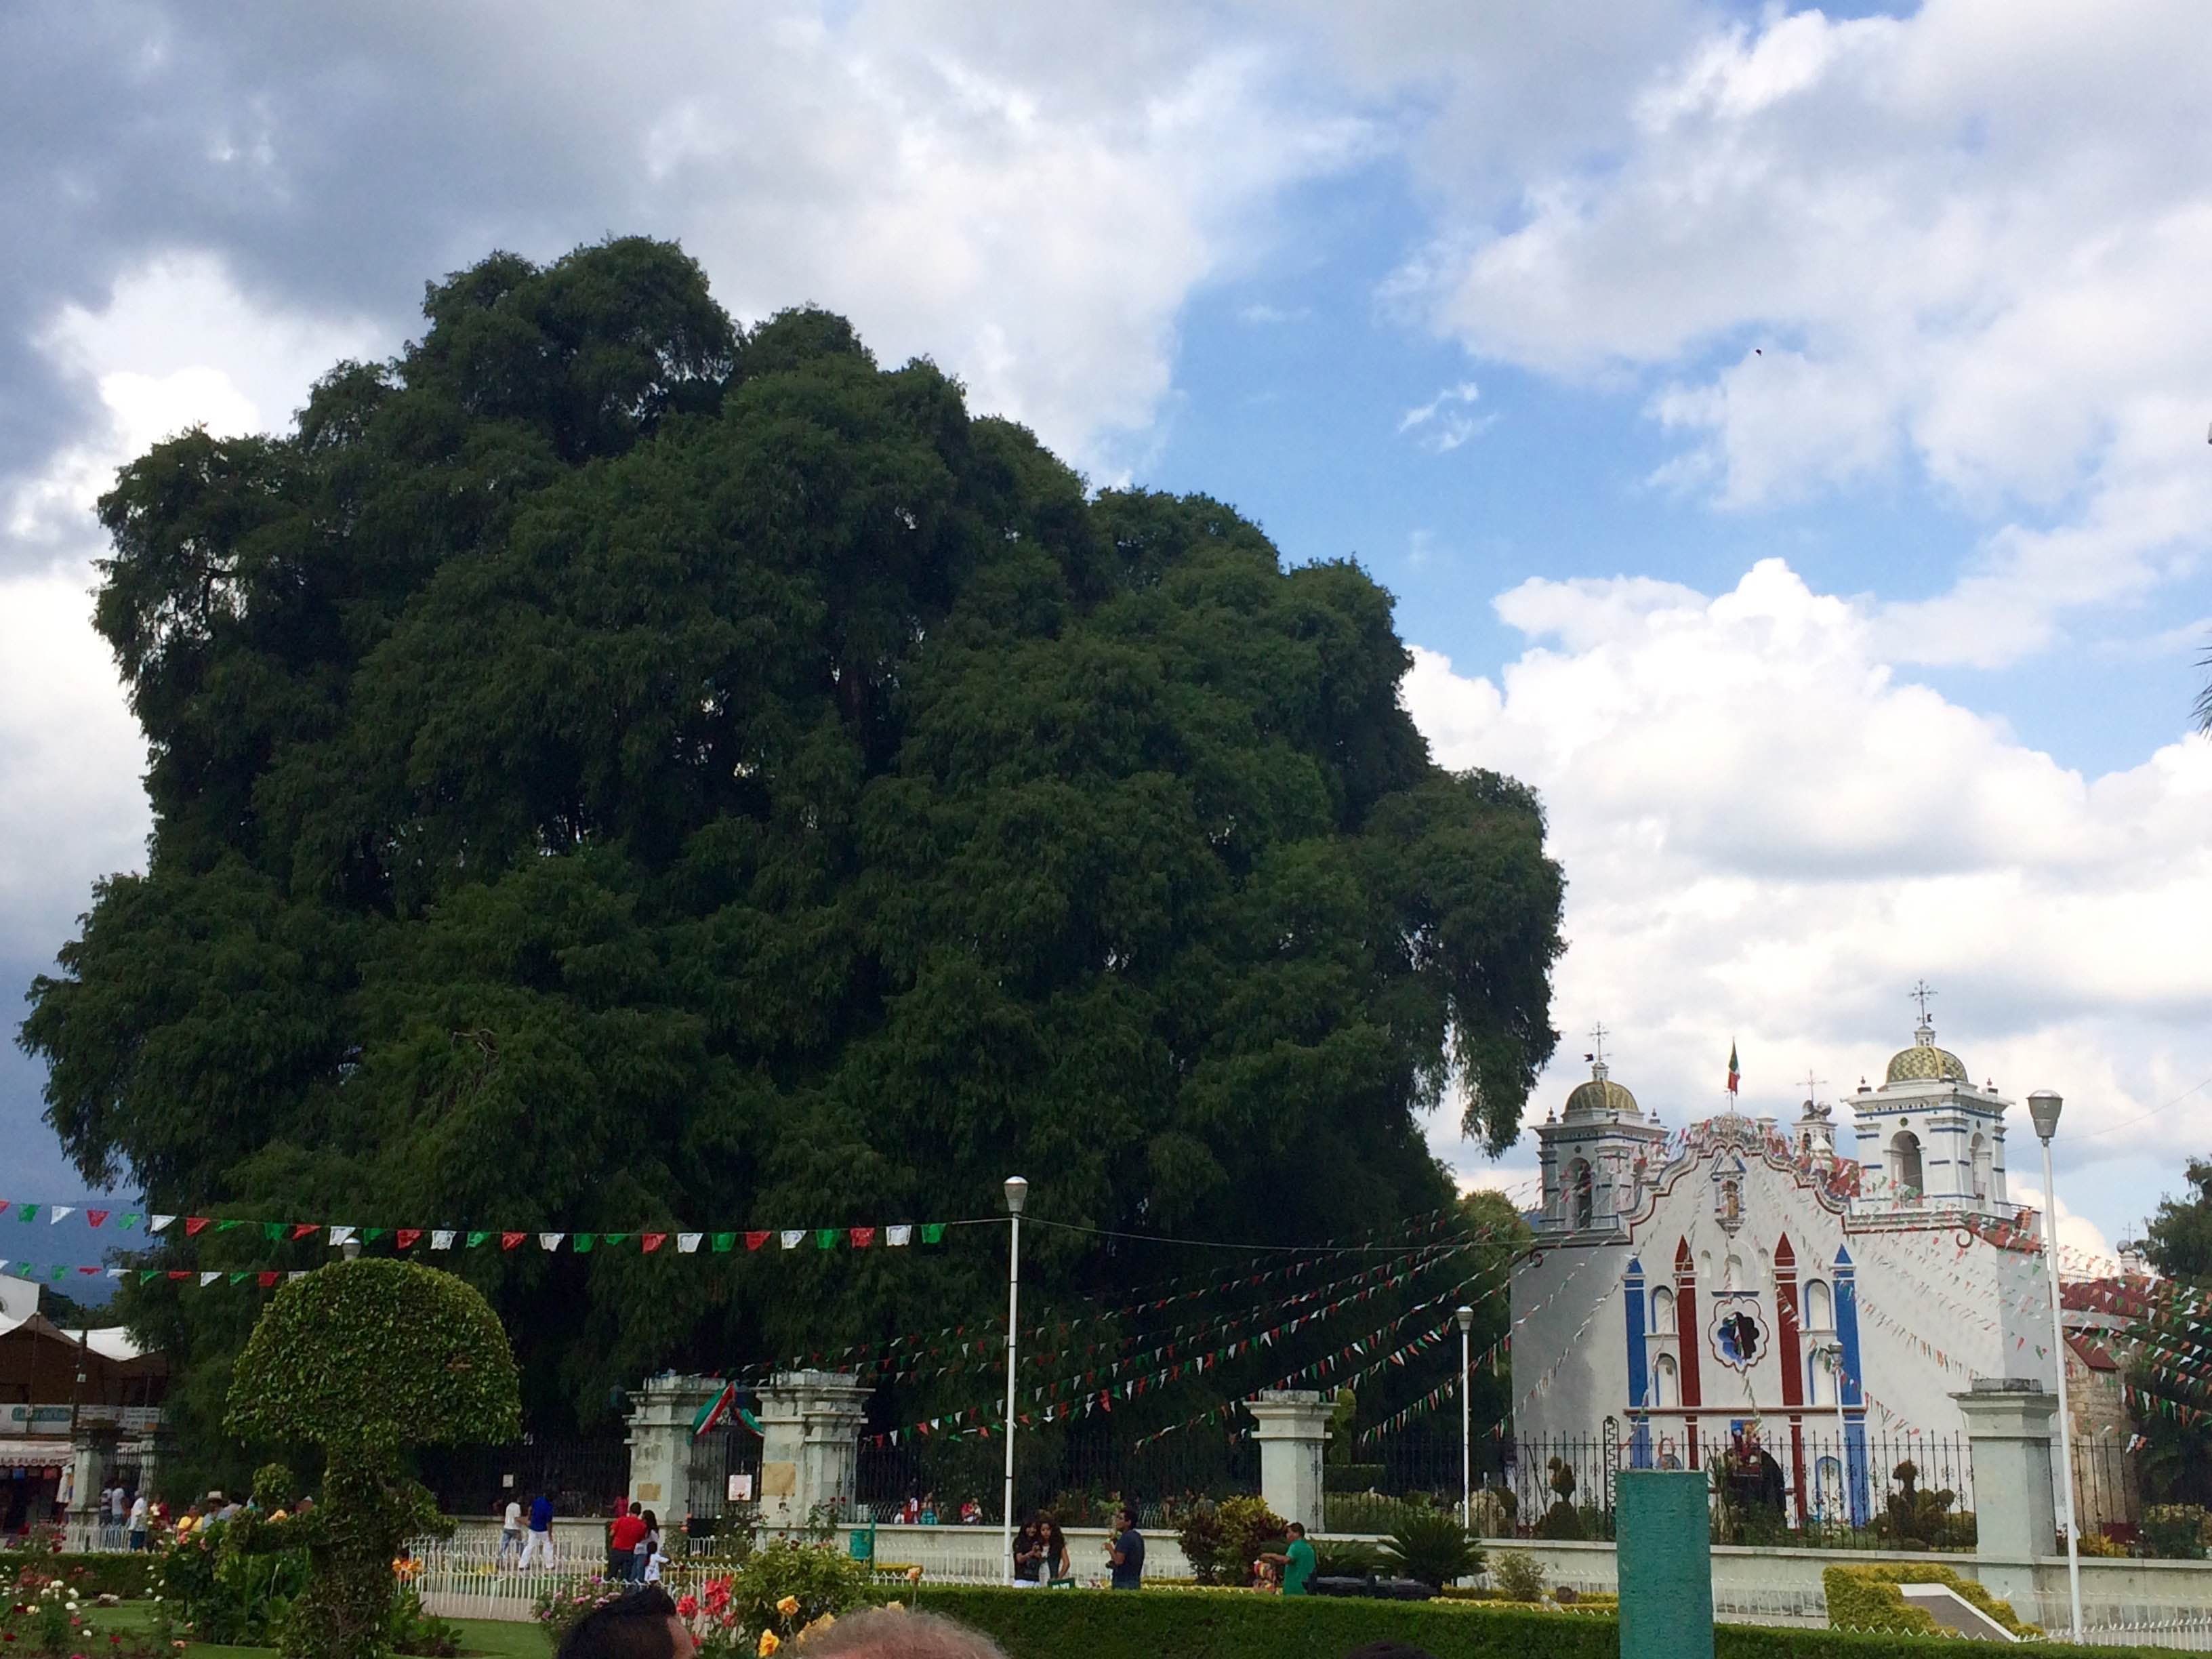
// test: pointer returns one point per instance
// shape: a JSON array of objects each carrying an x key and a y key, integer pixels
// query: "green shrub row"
[
  {"x": 1161, "y": 1624},
  {"x": 1867, "y": 1598}
]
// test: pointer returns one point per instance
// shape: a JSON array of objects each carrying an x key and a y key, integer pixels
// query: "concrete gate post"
[
  {"x": 92, "y": 1459},
  {"x": 661, "y": 1411},
  {"x": 2010, "y": 1422},
  {"x": 1664, "y": 1556},
  {"x": 1293, "y": 1428},
  {"x": 812, "y": 1422}
]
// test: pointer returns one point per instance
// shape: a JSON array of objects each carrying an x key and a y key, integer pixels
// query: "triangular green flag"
[
  {"x": 723, "y": 1242},
  {"x": 27, "y": 1213},
  {"x": 370, "y": 1235},
  {"x": 826, "y": 1238},
  {"x": 60, "y": 1268},
  {"x": 238, "y": 1279},
  {"x": 475, "y": 1239},
  {"x": 225, "y": 1226},
  {"x": 148, "y": 1275},
  {"x": 933, "y": 1232},
  {"x": 584, "y": 1241},
  {"x": 273, "y": 1231},
  {"x": 128, "y": 1218},
  {"x": 614, "y": 1238}
]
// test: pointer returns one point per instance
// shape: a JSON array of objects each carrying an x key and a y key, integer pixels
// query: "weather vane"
[
  {"x": 1596, "y": 1055},
  {"x": 1920, "y": 993}
]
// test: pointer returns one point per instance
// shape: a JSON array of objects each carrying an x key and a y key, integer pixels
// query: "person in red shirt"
[{"x": 622, "y": 1540}]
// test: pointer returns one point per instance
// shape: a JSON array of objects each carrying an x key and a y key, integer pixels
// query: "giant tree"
[{"x": 615, "y": 769}]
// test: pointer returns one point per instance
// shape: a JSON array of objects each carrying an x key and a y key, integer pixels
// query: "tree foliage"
[
  {"x": 2177, "y": 1464},
  {"x": 613, "y": 769}
]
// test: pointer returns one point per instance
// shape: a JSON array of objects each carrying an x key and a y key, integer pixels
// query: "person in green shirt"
[{"x": 1297, "y": 1562}]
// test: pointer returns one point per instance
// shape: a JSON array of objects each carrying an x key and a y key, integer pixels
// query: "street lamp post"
[
  {"x": 1465, "y": 1317},
  {"x": 1017, "y": 1194},
  {"x": 2042, "y": 1106}
]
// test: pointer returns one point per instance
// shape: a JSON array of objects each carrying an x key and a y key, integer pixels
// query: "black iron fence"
[
  {"x": 1079, "y": 1475},
  {"x": 724, "y": 1471},
  {"x": 582, "y": 1477}
]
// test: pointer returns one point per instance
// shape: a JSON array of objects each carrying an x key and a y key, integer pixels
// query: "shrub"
[
  {"x": 557, "y": 1610},
  {"x": 1345, "y": 1557},
  {"x": 1561, "y": 1522},
  {"x": 1198, "y": 1529},
  {"x": 1517, "y": 1576},
  {"x": 2176, "y": 1532},
  {"x": 1433, "y": 1547},
  {"x": 822, "y": 1578},
  {"x": 364, "y": 1358},
  {"x": 1221, "y": 1540},
  {"x": 1867, "y": 1598}
]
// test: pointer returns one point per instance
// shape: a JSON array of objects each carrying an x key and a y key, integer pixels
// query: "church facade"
[{"x": 1746, "y": 1276}]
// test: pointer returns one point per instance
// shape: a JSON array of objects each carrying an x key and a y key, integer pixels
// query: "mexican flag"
[
  {"x": 1734, "y": 1075},
  {"x": 712, "y": 1413}
]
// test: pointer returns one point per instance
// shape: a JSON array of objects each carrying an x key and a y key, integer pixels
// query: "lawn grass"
[{"x": 485, "y": 1638}]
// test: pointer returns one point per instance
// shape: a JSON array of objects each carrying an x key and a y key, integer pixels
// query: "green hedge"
[
  {"x": 1867, "y": 1598},
  {"x": 1162, "y": 1624}
]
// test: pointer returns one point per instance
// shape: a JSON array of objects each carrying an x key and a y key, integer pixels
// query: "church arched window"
[
  {"x": 1666, "y": 1381},
  {"x": 1663, "y": 1312},
  {"x": 1732, "y": 1274},
  {"x": 1905, "y": 1171},
  {"x": 1979, "y": 1148},
  {"x": 1819, "y": 1306},
  {"x": 1582, "y": 1197}
]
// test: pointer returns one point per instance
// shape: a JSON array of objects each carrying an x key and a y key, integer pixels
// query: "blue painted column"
[
  {"x": 1664, "y": 1554},
  {"x": 1639, "y": 1369},
  {"x": 1857, "y": 1489}
]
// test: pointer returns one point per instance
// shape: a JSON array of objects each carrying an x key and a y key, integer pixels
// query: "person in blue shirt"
[
  {"x": 1127, "y": 1552},
  {"x": 537, "y": 1544}
]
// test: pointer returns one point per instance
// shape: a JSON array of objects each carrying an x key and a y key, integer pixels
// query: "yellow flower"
[
  {"x": 816, "y": 1629},
  {"x": 913, "y": 1575},
  {"x": 788, "y": 1605},
  {"x": 769, "y": 1643}
]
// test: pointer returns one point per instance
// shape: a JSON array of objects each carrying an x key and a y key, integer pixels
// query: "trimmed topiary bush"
[
  {"x": 1867, "y": 1598},
  {"x": 1432, "y": 1546},
  {"x": 364, "y": 1358}
]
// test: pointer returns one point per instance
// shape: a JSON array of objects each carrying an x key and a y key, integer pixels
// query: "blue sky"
[{"x": 1784, "y": 430}]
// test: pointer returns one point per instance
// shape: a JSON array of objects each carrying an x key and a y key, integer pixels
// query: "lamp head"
[
  {"x": 1465, "y": 1315},
  {"x": 2043, "y": 1107},
  {"x": 1017, "y": 1194}
]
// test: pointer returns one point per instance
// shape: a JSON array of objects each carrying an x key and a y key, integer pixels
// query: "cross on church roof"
[
  {"x": 1596, "y": 1054},
  {"x": 1813, "y": 1087},
  {"x": 1920, "y": 993}
]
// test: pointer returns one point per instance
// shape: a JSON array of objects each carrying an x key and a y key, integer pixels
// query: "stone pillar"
[
  {"x": 1293, "y": 1427},
  {"x": 2010, "y": 1421},
  {"x": 661, "y": 1411},
  {"x": 92, "y": 1459},
  {"x": 812, "y": 1424}
]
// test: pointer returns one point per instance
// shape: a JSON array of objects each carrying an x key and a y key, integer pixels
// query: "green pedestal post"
[{"x": 1663, "y": 1544}]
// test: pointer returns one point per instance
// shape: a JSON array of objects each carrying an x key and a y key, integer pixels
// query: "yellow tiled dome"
[{"x": 1923, "y": 1062}]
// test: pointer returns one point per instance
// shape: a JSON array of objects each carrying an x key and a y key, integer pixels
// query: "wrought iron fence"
[
  {"x": 724, "y": 1471},
  {"x": 1082, "y": 1475},
  {"x": 1374, "y": 1488},
  {"x": 582, "y": 1477}
]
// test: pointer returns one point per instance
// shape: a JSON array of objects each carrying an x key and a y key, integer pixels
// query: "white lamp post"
[
  {"x": 1017, "y": 1194},
  {"x": 1465, "y": 1315},
  {"x": 2043, "y": 1107}
]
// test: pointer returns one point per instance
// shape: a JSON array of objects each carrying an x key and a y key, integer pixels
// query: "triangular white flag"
[
  {"x": 342, "y": 1235},
  {"x": 551, "y": 1241},
  {"x": 207, "y": 1279},
  {"x": 441, "y": 1238},
  {"x": 157, "y": 1223},
  {"x": 116, "y": 1273},
  {"x": 3, "y": 1264},
  {"x": 297, "y": 1273},
  {"x": 56, "y": 1211},
  {"x": 688, "y": 1242},
  {"x": 793, "y": 1237},
  {"x": 898, "y": 1235}
]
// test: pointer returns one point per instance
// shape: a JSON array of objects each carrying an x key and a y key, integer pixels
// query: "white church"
[{"x": 1743, "y": 1274}]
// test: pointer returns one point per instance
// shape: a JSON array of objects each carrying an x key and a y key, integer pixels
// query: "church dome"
[
  {"x": 1923, "y": 1062},
  {"x": 1599, "y": 1096}
]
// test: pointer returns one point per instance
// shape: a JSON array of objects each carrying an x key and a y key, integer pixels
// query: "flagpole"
[{"x": 1018, "y": 1192}]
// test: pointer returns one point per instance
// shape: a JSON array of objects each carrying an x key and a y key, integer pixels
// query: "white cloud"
[
  {"x": 1443, "y": 423},
  {"x": 2075, "y": 1231},
  {"x": 1769, "y": 835},
  {"x": 1974, "y": 237}
]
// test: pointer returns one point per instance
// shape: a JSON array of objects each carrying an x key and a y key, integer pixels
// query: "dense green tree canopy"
[{"x": 613, "y": 767}]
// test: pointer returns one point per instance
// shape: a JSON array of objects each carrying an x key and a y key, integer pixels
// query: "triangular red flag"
[
  {"x": 95, "y": 1217},
  {"x": 754, "y": 1241},
  {"x": 652, "y": 1242},
  {"x": 178, "y": 1273},
  {"x": 861, "y": 1237},
  {"x": 267, "y": 1280},
  {"x": 301, "y": 1229},
  {"x": 508, "y": 1241},
  {"x": 405, "y": 1237},
  {"x": 88, "y": 1270},
  {"x": 193, "y": 1224}
]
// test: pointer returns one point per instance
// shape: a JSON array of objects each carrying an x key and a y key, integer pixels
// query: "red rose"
[{"x": 688, "y": 1606}]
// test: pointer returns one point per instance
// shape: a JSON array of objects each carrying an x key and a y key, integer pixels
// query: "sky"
[{"x": 1784, "y": 431}]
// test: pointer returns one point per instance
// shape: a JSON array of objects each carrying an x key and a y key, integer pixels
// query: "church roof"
[{"x": 1923, "y": 1062}]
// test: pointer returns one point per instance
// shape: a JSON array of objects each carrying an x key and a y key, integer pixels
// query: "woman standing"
[
  {"x": 1029, "y": 1555},
  {"x": 1059, "y": 1565}
]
